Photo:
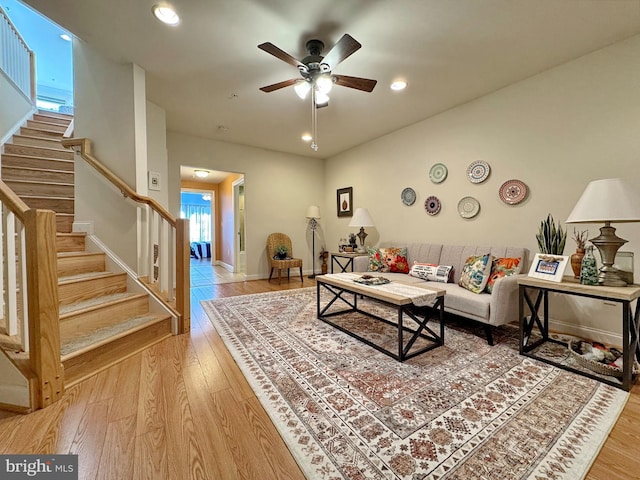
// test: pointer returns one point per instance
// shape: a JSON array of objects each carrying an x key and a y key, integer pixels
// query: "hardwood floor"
[{"x": 182, "y": 410}]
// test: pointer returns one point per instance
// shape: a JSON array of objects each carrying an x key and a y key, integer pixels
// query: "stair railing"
[
  {"x": 16, "y": 59},
  {"x": 167, "y": 253},
  {"x": 29, "y": 283}
]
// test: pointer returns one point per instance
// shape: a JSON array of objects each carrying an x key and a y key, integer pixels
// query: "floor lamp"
[{"x": 313, "y": 214}]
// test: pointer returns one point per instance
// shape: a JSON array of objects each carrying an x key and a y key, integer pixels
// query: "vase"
[
  {"x": 589, "y": 270},
  {"x": 576, "y": 262}
]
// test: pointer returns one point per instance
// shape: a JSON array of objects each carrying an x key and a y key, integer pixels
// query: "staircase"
[{"x": 106, "y": 315}]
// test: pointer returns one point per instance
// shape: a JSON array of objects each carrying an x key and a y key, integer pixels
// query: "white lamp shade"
[
  {"x": 361, "y": 218},
  {"x": 608, "y": 200},
  {"x": 302, "y": 88},
  {"x": 313, "y": 211}
]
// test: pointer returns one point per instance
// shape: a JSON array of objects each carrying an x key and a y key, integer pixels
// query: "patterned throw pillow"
[
  {"x": 432, "y": 272},
  {"x": 388, "y": 260},
  {"x": 476, "y": 272},
  {"x": 502, "y": 267}
]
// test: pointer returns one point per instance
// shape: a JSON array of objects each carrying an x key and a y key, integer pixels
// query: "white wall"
[
  {"x": 157, "y": 160},
  {"x": 279, "y": 187},
  {"x": 555, "y": 131},
  {"x": 14, "y": 107},
  {"x": 105, "y": 112}
]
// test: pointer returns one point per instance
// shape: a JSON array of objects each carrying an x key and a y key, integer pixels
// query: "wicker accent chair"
[{"x": 274, "y": 241}]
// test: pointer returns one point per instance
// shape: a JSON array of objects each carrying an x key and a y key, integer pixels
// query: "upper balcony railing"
[{"x": 17, "y": 61}]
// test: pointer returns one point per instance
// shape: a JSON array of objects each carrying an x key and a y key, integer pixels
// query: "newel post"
[
  {"x": 183, "y": 275},
  {"x": 42, "y": 287}
]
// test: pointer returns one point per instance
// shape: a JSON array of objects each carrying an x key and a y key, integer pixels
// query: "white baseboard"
[
  {"x": 86, "y": 227},
  {"x": 226, "y": 266},
  {"x": 588, "y": 333}
]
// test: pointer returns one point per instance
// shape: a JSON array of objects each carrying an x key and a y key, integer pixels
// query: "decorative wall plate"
[
  {"x": 468, "y": 207},
  {"x": 438, "y": 173},
  {"x": 513, "y": 192},
  {"x": 478, "y": 171},
  {"x": 432, "y": 205},
  {"x": 408, "y": 196}
]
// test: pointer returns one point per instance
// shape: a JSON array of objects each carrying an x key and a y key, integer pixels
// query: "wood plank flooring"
[{"x": 183, "y": 410}]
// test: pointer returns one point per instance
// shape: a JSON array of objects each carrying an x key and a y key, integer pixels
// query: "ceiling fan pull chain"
[{"x": 314, "y": 120}]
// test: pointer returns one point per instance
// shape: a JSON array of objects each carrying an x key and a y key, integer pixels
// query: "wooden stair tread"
[
  {"x": 48, "y": 113},
  {"x": 46, "y": 197},
  {"x": 96, "y": 303},
  {"x": 52, "y": 140},
  {"x": 103, "y": 336},
  {"x": 87, "y": 276},
  {"x": 32, "y": 157},
  {"x": 78, "y": 253},
  {"x": 34, "y": 169},
  {"x": 40, "y": 182}
]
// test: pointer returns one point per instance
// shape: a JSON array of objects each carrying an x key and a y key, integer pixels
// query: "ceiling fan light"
[
  {"x": 324, "y": 84},
  {"x": 166, "y": 14},
  {"x": 321, "y": 99},
  {"x": 302, "y": 89},
  {"x": 201, "y": 173}
]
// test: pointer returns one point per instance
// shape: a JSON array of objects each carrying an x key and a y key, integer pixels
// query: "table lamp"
[
  {"x": 313, "y": 214},
  {"x": 361, "y": 218},
  {"x": 610, "y": 201}
]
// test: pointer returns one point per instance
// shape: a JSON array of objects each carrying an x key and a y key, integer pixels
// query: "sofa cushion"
[
  {"x": 391, "y": 259},
  {"x": 503, "y": 267},
  {"x": 432, "y": 272},
  {"x": 476, "y": 272}
]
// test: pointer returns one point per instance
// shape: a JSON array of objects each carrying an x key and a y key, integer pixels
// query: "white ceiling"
[{"x": 207, "y": 71}]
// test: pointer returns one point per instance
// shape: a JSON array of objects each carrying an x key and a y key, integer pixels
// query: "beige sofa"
[{"x": 497, "y": 308}]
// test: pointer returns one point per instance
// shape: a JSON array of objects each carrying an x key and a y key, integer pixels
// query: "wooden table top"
[{"x": 347, "y": 283}]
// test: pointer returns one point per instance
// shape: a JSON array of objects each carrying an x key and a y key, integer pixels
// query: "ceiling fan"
[{"x": 316, "y": 69}]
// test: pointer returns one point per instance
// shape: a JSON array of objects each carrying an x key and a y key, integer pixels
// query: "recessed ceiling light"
[
  {"x": 399, "y": 85},
  {"x": 166, "y": 14},
  {"x": 307, "y": 137},
  {"x": 65, "y": 37},
  {"x": 201, "y": 173}
]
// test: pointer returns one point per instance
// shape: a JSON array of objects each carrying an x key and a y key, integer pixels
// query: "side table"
[
  {"x": 344, "y": 260},
  {"x": 569, "y": 286}
]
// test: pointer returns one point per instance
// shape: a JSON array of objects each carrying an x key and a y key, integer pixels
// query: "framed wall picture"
[
  {"x": 548, "y": 267},
  {"x": 345, "y": 201}
]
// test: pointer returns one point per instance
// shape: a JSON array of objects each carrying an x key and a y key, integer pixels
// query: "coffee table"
[{"x": 343, "y": 289}]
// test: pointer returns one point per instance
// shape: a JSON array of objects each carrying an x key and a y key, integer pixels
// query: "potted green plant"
[
  {"x": 551, "y": 238},
  {"x": 282, "y": 251}
]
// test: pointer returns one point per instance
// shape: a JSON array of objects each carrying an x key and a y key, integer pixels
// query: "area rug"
[{"x": 464, "y": 410}]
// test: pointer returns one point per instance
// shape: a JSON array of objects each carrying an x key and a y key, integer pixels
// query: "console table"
[
  {"x": 569, "y": 286},
  {"x": 344, "y": 260}
]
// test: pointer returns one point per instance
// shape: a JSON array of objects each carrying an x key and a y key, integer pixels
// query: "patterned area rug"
[{"x": 464, "y": 410}]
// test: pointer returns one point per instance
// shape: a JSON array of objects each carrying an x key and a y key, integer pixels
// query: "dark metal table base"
[
  {"x": 630, "y": 327},
  {"x": 420, "y": 315}
]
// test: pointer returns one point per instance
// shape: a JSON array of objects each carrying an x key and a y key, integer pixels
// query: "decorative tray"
[
  {"x": 598, "y": 358},
  {"x": 371, "y": 280}
]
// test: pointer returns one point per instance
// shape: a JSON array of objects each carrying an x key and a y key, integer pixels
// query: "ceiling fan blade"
[
  {"x": 341, "y": 50},
  {"x": 279, "y": 85},
  {"x": 358, "y": 83},
  {"x": 281, "y": 54}
]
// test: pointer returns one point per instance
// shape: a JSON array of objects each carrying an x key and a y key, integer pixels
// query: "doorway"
[
  {"x": 198, "y": 206},
  {"x": 240, "y": 263}
]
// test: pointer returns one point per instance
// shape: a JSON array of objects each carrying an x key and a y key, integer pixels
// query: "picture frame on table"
[
  {"x": 548, "y": 267},
  {"x": 345, "y": 202}
]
